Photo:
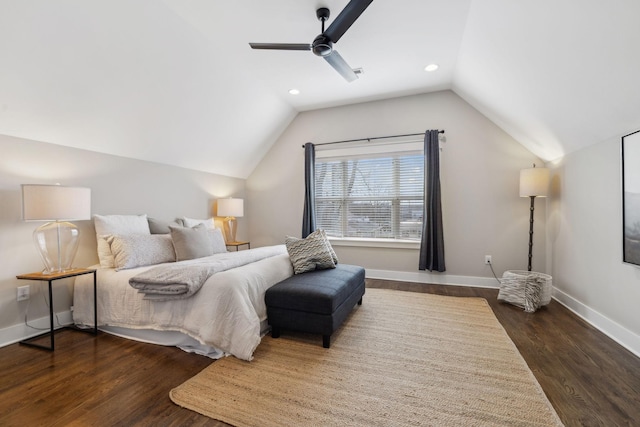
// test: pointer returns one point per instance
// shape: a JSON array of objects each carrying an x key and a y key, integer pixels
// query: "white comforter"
[
  {"x": 226, "y": 313},
  {"x": 177, "y": 280}
]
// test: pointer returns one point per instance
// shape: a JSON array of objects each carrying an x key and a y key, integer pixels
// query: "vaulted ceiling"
[{"x": 175, "y": 81}]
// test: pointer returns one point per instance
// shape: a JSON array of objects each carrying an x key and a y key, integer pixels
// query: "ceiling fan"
[{"x": 323, "y": 44}]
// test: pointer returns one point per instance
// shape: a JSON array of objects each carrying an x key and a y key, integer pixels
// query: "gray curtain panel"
[
  {"x": 309, "y": 215},
  {"x": 432, "y": 244}
]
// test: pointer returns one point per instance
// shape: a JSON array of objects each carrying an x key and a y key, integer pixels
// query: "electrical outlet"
[
  {"x": 22, "y": 293},
  {"x": 487, "y": 259}
]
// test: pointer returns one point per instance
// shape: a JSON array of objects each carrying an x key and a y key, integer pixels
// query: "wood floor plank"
[{"x": 110, "y": 381}]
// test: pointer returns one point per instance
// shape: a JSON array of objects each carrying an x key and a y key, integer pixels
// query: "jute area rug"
[{"x": 400, "y": 359}]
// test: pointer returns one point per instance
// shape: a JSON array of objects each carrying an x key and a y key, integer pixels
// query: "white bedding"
[{"x": 226, "y": 313}]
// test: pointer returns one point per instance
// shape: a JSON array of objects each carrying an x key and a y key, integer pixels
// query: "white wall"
[
  {"x": 119, "y": 186},
  {"x": 482, "y": 210},
  {"x": 584, "y": 228},
  {"x": 480, "y": 167}
]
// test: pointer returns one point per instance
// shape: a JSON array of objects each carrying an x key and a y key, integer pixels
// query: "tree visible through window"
[{"x": 377, "y": 197}]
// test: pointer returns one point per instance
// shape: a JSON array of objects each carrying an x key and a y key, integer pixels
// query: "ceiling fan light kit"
[{"x": 323, "y": 44}]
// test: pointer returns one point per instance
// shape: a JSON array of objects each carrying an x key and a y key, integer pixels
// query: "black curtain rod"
[{"x": 370, "y": 139}]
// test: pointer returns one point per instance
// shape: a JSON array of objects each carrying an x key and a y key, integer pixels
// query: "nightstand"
[
  {"x": 238, "y": 244},
  {"x": 44, "y": 277}
]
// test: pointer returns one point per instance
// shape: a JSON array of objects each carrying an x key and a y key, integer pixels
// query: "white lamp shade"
[
  {"x": 55, "y": 203},
  {"x": 534, "y": 182},
  {"x": 231, "y": 207}
]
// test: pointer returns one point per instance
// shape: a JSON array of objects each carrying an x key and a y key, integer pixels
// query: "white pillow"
[
  {"x": 107, "y": 225},
  {"x": 137, "y": 250},
  {"x": 191, "y": 222},
  {"x": 217, "y": 241}
]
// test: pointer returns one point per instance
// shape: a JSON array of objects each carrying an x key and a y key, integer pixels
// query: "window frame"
[{"x": 367, "y": 150}]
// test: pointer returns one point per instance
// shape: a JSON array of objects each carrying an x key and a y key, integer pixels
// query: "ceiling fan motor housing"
[{"x": 322, "y": 46}]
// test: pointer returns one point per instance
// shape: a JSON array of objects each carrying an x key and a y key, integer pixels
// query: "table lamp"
[
  {"x": 57, "y": 240},
  {"x": 230, "y": 209}
]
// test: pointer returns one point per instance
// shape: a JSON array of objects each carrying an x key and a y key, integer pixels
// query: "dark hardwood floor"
[{"x": 110, "y": 381}]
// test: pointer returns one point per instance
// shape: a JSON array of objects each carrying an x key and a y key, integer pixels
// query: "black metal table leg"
[{"x": 51, "y": 346}]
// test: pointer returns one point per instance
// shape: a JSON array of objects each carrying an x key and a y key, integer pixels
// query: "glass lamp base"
[
  {"x": 230, "y": 228},
  {"x": 57, "y": 244}
]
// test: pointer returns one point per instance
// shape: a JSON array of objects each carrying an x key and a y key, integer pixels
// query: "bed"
[{"x": 226, "y": 316}]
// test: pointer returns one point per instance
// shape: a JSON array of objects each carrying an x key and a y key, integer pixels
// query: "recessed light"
[
  {"x": 294, "y": 92},
  {"x": 431, "y": 67}
]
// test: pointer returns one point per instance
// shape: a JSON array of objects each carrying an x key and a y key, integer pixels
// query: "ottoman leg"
[
  {"x": 275, "y": 332},
  {"x": 360, "y": 301},
  {"x": 326, "y": 341}
]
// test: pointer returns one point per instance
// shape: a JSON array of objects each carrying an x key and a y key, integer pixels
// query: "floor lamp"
[
  {"x": 534, "y": 182},
  {"x": 57, "y": 240},
  {"x": 230, "y": 209}
]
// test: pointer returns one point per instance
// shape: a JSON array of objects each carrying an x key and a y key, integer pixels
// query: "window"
[{"x": 378, "y": 195}]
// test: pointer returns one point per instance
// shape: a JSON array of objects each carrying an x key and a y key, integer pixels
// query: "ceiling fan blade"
[
  {"x": 340, "y": 65},
  {"x": 347, "y": 17},
  {"x": 281, "y": 46}
]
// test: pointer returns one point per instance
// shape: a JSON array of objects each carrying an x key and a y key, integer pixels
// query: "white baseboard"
[
  {"x": 16, "y": 333},
  {"x": 613, "y": 330},
  {"x": 435, "y": 278}
]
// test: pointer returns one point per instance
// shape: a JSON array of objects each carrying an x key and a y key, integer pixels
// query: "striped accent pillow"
[
  {"x": 323, "y": 234},
  {"x": 309, "y": 254}
]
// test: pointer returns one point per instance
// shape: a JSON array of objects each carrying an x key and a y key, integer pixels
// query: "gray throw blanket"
[{"x": 183, "y": 279}]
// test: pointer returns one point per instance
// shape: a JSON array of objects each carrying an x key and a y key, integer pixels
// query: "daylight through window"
[{"x": 376, "y": 196}]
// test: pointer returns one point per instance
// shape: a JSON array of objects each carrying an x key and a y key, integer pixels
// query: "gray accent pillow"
[
  {"x": 309, "y": 254},
  {"x": 137, "y": 250},
  {"x": 196, "y": 242},
  {"x": 190, "y": 243},
  {"x": 157, "y": 226}
]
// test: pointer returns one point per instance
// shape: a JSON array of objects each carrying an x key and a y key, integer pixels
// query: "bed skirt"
[{"x": 165, "y": 338}]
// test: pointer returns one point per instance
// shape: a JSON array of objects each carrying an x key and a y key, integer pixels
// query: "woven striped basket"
[{"x": 529, "y": 290}]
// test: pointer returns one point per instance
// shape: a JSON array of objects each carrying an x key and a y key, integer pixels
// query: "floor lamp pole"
[{"x": 533, "y": 198}]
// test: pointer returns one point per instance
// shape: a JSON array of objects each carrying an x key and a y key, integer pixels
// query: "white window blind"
[{"x": 377, "y": 195}]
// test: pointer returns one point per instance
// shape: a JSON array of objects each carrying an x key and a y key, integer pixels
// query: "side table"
[
  {"x": 238, "y": 244},
  {"x": 51, "y": 277}
]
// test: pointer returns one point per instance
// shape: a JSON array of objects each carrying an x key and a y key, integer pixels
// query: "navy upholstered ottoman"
[{"x": 316, "y": 302}]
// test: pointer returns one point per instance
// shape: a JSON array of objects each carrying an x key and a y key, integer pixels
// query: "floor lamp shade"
[
  {"x": 534, "y": 182},
  {"x": 230, "y": 209},
  {"x": 57, "y": 240}
]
